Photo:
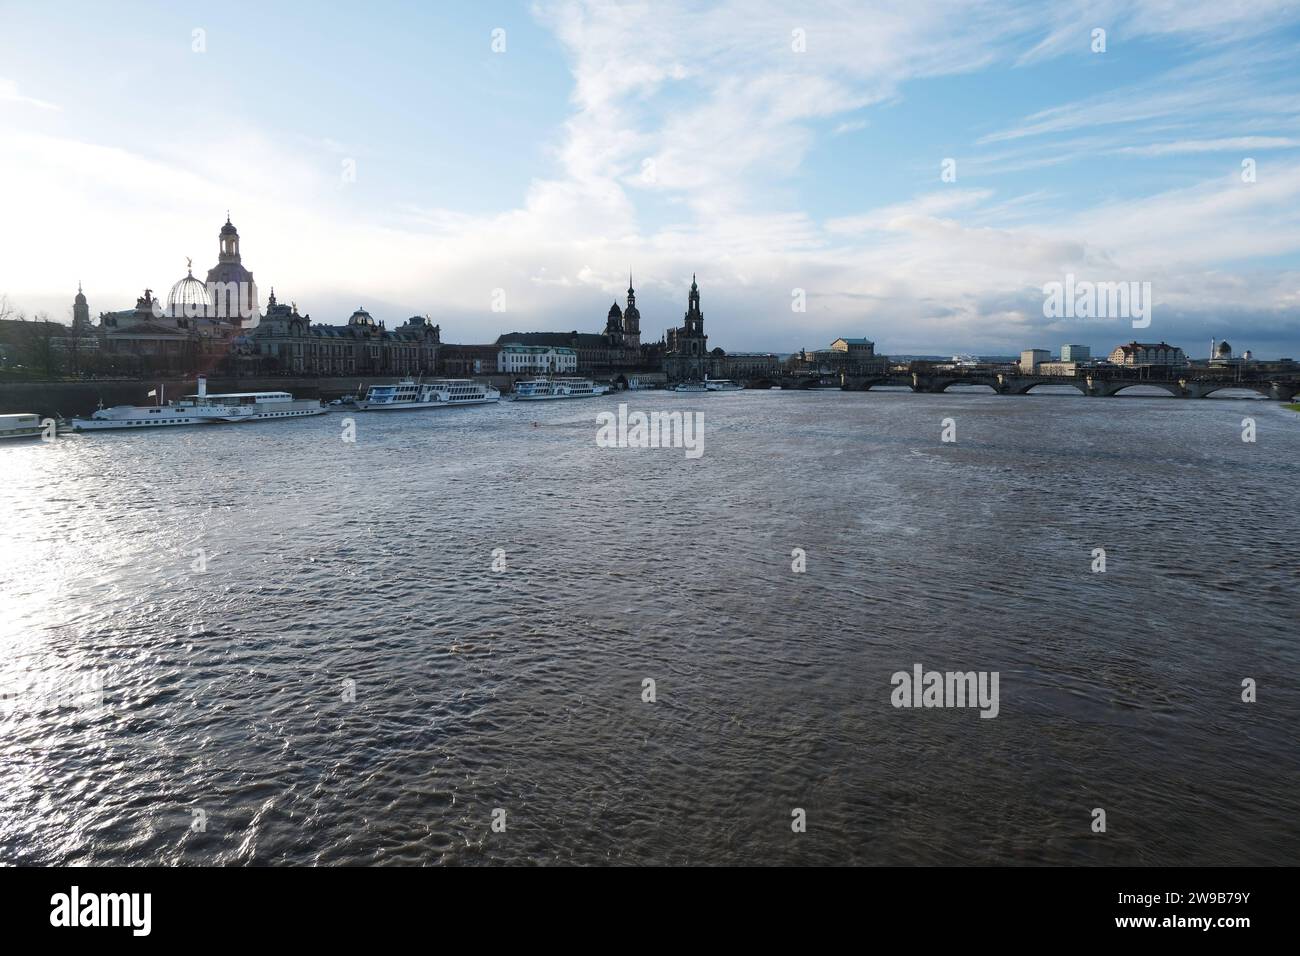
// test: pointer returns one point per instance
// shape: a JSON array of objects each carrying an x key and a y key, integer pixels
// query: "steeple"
[
  {"x": 694, "y": 317},
  {"x": 631, "y": 318},
  {"x": 80, "y": 310}
]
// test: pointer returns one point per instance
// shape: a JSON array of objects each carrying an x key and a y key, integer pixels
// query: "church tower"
[
  {"x": 80, "y": 311},
  {"x": 614, "y": 325},
  {"x": 229, "y": 242},
  {"x": 234, "y": 295},
  {"x": 694, "y": 317},
  {"x": 631, "y": 318}
]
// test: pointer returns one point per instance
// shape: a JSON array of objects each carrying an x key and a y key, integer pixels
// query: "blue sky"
[{"x": 669, "y": 138}]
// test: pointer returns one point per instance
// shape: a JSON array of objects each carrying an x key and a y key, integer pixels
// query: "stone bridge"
[{"x": 1101, "y": 383}]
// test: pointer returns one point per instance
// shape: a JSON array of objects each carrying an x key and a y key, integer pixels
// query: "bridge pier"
[{"x": 1283, "y": 391}]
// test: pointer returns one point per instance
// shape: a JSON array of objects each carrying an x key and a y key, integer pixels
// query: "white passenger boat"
[
  {"x": 690, "y": 387},
  {"x": 441, "y": 393},
  {"x": 202, "y": 409},
  {"x": 722, "y": 385},
  {"x": 544, "y": 389},
  {"x": 22, "y": 425}
]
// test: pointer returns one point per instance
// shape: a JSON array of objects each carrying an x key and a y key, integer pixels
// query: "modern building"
[
  {"x": 1145, "y": 353},
  {"x": 1030, "y": 359},
  {"x": 1075, "y": 353},
  {"x": 537, "y": 360}
]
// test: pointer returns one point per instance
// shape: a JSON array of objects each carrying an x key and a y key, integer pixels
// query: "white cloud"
[
  {"x": 9, "y": 94},
  {"x": 689, "y": 130},
  {"x": 1225, "y": 144}
]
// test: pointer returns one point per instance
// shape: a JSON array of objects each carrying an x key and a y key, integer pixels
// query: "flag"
[{"x": 152, "y": 392}]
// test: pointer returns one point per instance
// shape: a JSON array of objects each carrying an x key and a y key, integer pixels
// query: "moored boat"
[
  {"x": 440, "y": 393},
  {"x": 722, "y": 385},
  {"x": 545, "y": 389},
  {"x": 20, "y": 425},
  {"x": 201, "y": 408},
  {"x": 690, "y": 387}
]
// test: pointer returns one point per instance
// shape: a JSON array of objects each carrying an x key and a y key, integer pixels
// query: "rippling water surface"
[{"x": 223, "y": 732}]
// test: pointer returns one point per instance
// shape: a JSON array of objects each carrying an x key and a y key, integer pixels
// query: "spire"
[{"x": 629, "y": 282}]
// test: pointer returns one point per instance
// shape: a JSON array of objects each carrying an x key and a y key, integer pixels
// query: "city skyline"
[{"x": 768, "y": 151}]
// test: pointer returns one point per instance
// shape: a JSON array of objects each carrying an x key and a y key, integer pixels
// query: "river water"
[{"x": 260, "y": 644}]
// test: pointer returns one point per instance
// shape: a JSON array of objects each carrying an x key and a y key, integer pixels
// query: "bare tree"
[{"x": 42, "y": 343}]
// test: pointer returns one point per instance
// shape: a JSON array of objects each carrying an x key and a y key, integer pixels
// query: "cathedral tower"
[
  {"x": 230, "y": 286},
  {"x": 694, "y": 317},
  {"x": 631, "y": 318},
  {"x": 614, "y": 325},
  {"x": 80, "y": 311}
]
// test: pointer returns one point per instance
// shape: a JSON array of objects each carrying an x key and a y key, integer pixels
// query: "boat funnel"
[{"x": 203, "y": 386}]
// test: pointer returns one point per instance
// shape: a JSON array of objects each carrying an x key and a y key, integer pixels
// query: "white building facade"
[
  {"x": 537, "y": 359},
  {"x": 1147, "y": 353}
]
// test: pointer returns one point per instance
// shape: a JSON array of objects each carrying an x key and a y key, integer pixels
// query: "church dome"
[
  {"x": 361, "y": 317},
  {"x": 188, "y": 297},
  {"x": 614, "y": 310},
  {"x": 1225, "y": 348},
  {"x": 229, "y": 229}
]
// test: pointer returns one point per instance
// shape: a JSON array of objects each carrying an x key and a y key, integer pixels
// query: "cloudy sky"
[{"x": 767, "y": 147}]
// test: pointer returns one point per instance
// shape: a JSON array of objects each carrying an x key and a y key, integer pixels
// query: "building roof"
[
  {"x": 537, "y": 338},
  {"x": 1134, "y": 346},
  {"x": 536, "y": 349},
  {"x": 590, "y": 340},
  {"x": 188, "y": 293}
]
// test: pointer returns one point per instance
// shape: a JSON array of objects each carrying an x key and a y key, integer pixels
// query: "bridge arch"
[
  {"x": 984, "y": 388},
  {"x": 1264, "y": 389},
  {"x": 1171, "y": 389},
  {"x": 1080, "y": 387}
]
